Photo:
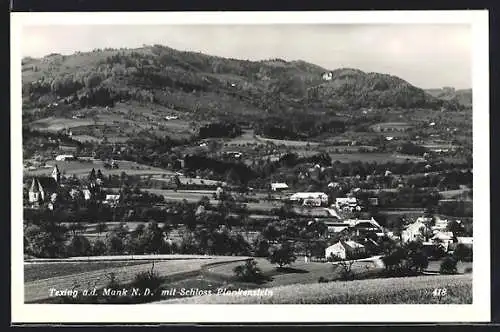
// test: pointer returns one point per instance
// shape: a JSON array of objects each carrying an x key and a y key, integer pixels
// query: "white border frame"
[{"x": 479, "y": 311}]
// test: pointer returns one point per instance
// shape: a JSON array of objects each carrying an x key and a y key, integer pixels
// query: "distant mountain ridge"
[{"x": 192, "y": 80}]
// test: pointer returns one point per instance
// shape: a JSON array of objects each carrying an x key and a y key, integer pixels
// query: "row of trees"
[{"x": 219, "y": 130}]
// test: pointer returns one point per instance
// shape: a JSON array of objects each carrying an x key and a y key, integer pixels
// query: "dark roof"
[
  {"x": 365, "y": 224},
  {"x": 48, "y": 183}
]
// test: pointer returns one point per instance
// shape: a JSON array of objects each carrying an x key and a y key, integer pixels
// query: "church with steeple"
[{"x": 44, "y": 188}]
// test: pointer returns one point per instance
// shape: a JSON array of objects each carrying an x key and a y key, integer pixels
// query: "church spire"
[
  {"x": 34, "y": 185},
  {"x": 56, "y": 174}
]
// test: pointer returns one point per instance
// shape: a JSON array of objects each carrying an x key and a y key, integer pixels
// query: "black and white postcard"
[{"x": 250, "y": 167}]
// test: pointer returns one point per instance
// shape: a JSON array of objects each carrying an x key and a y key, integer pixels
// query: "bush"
[
  {"x": 323, "y": 280},
  {"x": 248, "y": 272},
  {"x": 463, "y": 253},
  {"x": 148, "y": 280},
  {"x": 333, "y": 258},
  {"x": 435, "y": 252},
  {"x": 79, "y": 246},
  {"x": 409, "y": 259},
  {"x": 448, "y": 266},
  {"x": 98, "y": 248}
]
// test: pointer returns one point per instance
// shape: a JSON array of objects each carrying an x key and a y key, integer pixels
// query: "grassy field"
[
  {"x": 409, "y": 290},
  {"x": 82, "y": 168},
  {"x": 38, "y": 290},
  {"x": 195, "y": 196},
  {"x": 247, "y": 137},
  {"x": 39, "y": 271},
  {"x": 372, "y": 157},
  {"x": 298, "y": 272},
  {"x": 55, "y": 124},
  {"x": 192, "y": 181},
  {"x": 117, "y": 124},
  {"x": 453, "y": 193},
  {"x": 462, "y": 267},
  {"x": 86, "y": 138},
  {"x": 288, "y": 143}
]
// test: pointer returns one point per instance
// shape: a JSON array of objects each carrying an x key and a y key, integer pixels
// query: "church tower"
[
  {"x": 56, "y": 175},
  {"x": 34, "y": 192}
]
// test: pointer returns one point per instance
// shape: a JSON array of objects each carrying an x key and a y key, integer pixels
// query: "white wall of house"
[{"x": 337, "y": 249}]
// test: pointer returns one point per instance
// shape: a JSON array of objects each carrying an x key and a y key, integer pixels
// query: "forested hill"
[
  {"x": 462, "y": 96},
  {"x": 197, "y": 82}
]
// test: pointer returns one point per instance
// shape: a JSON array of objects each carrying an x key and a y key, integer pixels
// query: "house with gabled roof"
[{"x": 344, "y": 249}]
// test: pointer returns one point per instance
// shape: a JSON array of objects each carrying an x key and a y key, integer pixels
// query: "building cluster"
[
  {"x": 345, "y": 248},
  {"x": 46, "y": 191},
  {"x": 438, "y": 233}
]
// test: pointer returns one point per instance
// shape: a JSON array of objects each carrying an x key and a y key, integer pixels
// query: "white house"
[
  {"x": 312, "y": 202},
  {"x": 412, "y": 231},
  {"x": 112, "y": 199},
  {"x": 279, "y": 186},
  {"x": 372, "y": 222},
  {"x": 464, "y": 240},
  {"x": 63, "y": 157},
  {"x": 343, "y": 248},
  {"x": 314, "y": 195},
  {"x": 327, "y": 76},
  {"x": 334, "y": 185},
  {"x": 440, "y": 225},
  {"x": 342, "y": 202}
]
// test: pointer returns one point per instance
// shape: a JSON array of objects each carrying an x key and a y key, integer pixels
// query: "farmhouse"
[
  {"x": 360, "y": 225},
  {"x": 443, "y": 238},
  {"x": 440, "y": 225},
  {"x": 335, "y": 226},
  {"x": 307, "y": 197},
  {"x": 365, "y": 225},
  {"x": 279, "y": 186},
  {"x": 344, "y": 249}
]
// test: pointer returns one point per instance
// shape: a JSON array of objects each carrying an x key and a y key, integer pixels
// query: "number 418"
[{"x": 439, "y": 292}]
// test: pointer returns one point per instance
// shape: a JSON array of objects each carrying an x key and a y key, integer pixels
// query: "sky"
[{"x": 426, "y": 55}]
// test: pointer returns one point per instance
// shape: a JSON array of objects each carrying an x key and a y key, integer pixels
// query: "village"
[
  {"x": 346, "y": 226},
  {"x": 159, "y": 169}
]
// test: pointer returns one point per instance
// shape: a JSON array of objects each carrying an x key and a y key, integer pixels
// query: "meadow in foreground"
[{"x": 408, "y": 290}]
